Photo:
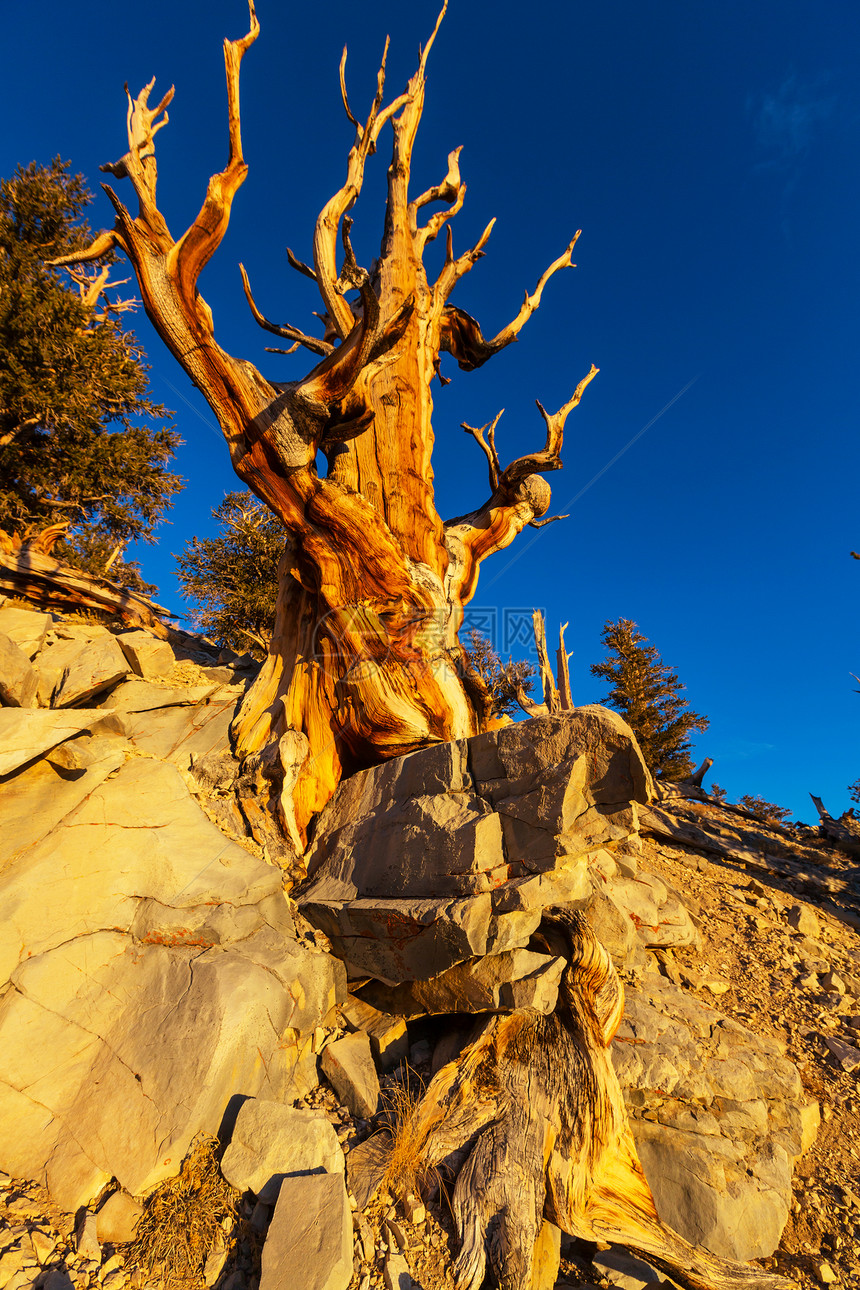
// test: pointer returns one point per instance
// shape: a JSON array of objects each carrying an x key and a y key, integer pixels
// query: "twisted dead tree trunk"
[
  {"x": 365, "y": 662},
  {"x": 531, "y": 1120}
]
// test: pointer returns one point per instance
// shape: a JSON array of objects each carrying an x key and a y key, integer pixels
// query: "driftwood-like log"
[
  {"x": 531, "y": 1119},
  {"x": 31, "y": 573},
  {"x": 844, "y": 833}
]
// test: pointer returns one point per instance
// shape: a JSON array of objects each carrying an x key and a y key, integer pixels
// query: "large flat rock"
[
  {"x": 155, "y": 977},
  {"x": 309, "y": 1244},
  {"x": 29, "y": 733},
  {"x": 452, "y": 853}
]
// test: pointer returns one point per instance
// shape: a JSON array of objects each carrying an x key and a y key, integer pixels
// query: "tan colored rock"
[
  {"x": 348, "y": 1065},
  {"x": 27, "y": 733},
  {"x": 96, "y": 667},
  {"x": 271, "y": 1141},
  {"x": 117, "y": 1220},
  {"x": 389, "y": 1040},
  {"x": 810, "y": 1116},
  {"x": 149, "y": 657},
  {"x": 26, "y": 627},
  {"x": 153, "y": 983},
  {"x": 18, "y": 680},
  {"x": 310, "y": 1237},
  {"x": 502, "y": 982},
  {"x": 35, "y": 799}
]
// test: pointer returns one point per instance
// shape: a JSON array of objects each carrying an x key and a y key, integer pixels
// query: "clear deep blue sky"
[{"x": 710, "y": 153}]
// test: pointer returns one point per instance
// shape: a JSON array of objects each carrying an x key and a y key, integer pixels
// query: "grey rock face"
[
  {"x": 310, "y": 1237},
  {"x": 477, "y": 837},
  {"x": 271, "y": 1141},
  {"x": 724, "y": 1122}
]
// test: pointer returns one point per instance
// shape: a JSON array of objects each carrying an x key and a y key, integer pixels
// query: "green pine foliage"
[
  {"x": 232, "y": 579},
  {"x": 501, "y": 679},
  {"x": 81, "y": 442},
  {"x": 762, "y": 809},
  {"x": 649, "y": 696}
]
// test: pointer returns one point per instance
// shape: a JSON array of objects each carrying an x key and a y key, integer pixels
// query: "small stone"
[
  {"x": 397, "y": 1234},
  {"x": 833, "y": 983},
  {"x": 825, "y": 1274},
  {"x": 414, "y": 1209},
  {"x": 214, "y": 1266},
  {"x": 86, "y": 1238},
  {"x": 802, "y": 919},
  {"x": 396, "y": 1273},
  {"x": 115, "y": 1280},
  {"x": 847, "y": 1056},
  {"x": 716, "y": 985},
  {"x": 117, "y": 1220},
  {"x": 43, "y": 1245}
]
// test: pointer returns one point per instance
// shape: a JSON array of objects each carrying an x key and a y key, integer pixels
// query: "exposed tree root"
[{"x": 532, "y": 1116}]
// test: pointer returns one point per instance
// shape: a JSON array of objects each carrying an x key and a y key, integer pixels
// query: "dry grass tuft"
[
  {"x": 184, "y": 1222},
  {"x": 406, "y": 1170}
]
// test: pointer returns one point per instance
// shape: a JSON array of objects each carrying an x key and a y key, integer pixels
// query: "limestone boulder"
[
  {"x": 476, "y": 837},
  {"x": 348, "y": 1065},
  {"x": 147, "y": 655},
  {"x": 717, "y": 1115},
  {"x": 505, "y": 982},
  {"x": 309, "y": 1243},
  {"x": 26, "y": 734},
  {"x": 155, "y": 978},
  {"x": 93, "y": 667},
  {"x": 28, "y": 628}
]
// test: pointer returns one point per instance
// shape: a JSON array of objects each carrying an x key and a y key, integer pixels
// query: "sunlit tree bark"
[{"x": 365, "y": 662}]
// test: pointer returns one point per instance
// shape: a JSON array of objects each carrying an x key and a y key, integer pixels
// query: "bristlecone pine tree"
[
  {"x": 82, "y": 456},
  {"x": 233, "y": 578},
  {"x": 649, "y": 696},
  {"x": 365, "y": 661}
]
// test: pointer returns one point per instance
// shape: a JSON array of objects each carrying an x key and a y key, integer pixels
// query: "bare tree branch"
[
  {"x": 488, "y": 446},
  {"x": 461, "y": 335},
  {"x": 283, "y": 329}
]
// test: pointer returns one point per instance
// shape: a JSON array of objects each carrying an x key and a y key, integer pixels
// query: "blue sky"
[{"x": 709, "y": 154}]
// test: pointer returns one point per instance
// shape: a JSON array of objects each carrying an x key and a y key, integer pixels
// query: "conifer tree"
[
  {"x": 80, "y": 440},
  {"x": 649, "y": 696},
  {"x": 232, "y": 578}
]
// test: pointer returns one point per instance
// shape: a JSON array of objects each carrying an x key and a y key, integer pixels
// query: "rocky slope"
[{"x": 160, "y": 983}]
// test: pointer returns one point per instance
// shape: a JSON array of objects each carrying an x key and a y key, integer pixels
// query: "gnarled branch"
[
  {"x": 288, "y": 332},
  {"x": 461, "y": 335}
]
